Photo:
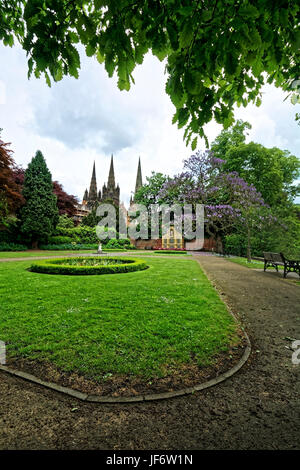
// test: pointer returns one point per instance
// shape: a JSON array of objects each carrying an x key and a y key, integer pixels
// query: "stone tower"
[
  {"x": 93, "y": 197},
  {"x": 111, "y": 191},
  {"x": 139, "y": 181}
]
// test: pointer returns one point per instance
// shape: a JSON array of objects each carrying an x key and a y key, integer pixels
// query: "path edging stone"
[{"x": 91, "y": 398}]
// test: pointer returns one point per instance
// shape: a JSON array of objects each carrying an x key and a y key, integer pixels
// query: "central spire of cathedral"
[{"x": 111, "y": 192}]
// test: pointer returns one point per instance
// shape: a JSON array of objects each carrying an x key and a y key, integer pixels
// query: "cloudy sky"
[{"x": 78, "y": 121}]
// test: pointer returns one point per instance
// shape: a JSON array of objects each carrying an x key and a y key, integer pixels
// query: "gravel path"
[{"x": 258, "y": 408}]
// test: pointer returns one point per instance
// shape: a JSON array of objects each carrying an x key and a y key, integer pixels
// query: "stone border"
[{"x": 89, "y": 398}]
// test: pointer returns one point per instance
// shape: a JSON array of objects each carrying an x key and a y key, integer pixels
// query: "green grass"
[
  {"x": 135, "y": 323},
  {"x": 29, "y": 254},
  {"x": 253, "y": 264}
]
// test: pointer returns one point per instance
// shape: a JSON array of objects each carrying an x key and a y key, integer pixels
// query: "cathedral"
[{"x": 110, "y": 191}]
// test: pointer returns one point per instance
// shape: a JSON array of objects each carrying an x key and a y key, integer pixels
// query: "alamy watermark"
[
  {"x": 2, "y": 353},
  {"x": 295, "y": 98},
  {"x": 153, "y": 222},
  {"x": 296, "y": 353}
]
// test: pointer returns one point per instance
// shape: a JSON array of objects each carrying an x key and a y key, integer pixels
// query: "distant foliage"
[
  {"x": 10, "y": 196},
  {"x": 78, "y": 234},
  {"x": 66, "y": 203},
  {"x": 271, "y": 170},
  {"x": 70, "y": 246},
  {"x": 117, "y": 244},
  {"x": 229, "y": 201},
  {"x": 90, "y": 220},
  {"x": 65, "y": 222},
  {"x": 59, "y": 240},
  {"x": 12, "y": 247}
]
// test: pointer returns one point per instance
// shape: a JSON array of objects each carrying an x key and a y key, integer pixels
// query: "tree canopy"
[
  {"x": 149, "y": 193},
  {"x": 229, "y": 201},
  {"x": 271, "y": 170},
  {"x": 66, "y": 203},
  {"x": 218, "y": 52},
  {"x": 10, "y": 197}
]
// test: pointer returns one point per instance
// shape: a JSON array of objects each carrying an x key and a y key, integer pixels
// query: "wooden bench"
[{"x": 278, "y": 259}]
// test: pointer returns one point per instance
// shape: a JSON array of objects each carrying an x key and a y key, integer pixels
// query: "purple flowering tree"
[{"x": 229, "y": 201}]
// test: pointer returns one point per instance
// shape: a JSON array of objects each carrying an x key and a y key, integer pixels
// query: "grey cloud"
[{"x": 84, "y": 113}]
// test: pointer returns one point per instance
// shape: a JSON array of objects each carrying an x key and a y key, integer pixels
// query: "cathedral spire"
[
  {"x": 111, "y": 191},
  {"x": 139, "y": 180},
  {"x": 93, "y": 186},
  {"x": 111, "y": 177},
  {"x": 86, "y": 195}
]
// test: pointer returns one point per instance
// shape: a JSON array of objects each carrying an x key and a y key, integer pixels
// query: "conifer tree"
[{"x": 39, "y": 215}]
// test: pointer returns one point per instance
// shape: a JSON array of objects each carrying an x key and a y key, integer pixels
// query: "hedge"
[
  {"x": 70, "y": 246},
  {"x": 78, "y": 234},
  {"x": 56, "y": 266},
  {"x": 12, "y": 247},
  {"x": 59, "y": 240},
  {"x": 171, "y": 252}
]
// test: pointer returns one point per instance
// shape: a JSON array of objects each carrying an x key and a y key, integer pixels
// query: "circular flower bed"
[{"x": 91, "y": 265}]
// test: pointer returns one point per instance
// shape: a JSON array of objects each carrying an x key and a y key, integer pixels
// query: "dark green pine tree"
[{"x": 39, "y": 215}]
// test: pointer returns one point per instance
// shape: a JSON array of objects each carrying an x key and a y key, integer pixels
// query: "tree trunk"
[
  {"x": 248, "y": 246},
  {"x": 219, "y": 244},
  {"x": 34, "y": 245}
]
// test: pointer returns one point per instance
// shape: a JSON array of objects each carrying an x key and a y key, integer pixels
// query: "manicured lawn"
[
  {"x": 29, "y": 254},
  {"x": 253, "y": 264},
  {"x": 136, "y": 323}
]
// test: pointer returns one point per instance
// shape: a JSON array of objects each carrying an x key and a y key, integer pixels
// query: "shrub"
[
  {"x": 65, "y": 222},
  {"x": 59, "y": 240},
  {"x": 4, "y": 246},
  {"x": 70, "y": 246},
  {"x": 114, "y": 266},
  {"x": 171, "y": 252},
  {"x": 78, "y": 234},
  {"x": 114, "y": 243},
  {"x": 235, "y": 244}
]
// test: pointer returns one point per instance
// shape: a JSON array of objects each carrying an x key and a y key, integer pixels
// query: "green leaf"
[
  {"x": 194, "y": 143},
  {"x": 90, "y": 50},
  {"x": 248, "y": 11},
  {"x": 58, "y": 74},
  {"x": 48, "y": 81},
  {"x": 187, "y": 34},
  {"x": 183, "y": 116},
  {"x": 100, "y": 57}
]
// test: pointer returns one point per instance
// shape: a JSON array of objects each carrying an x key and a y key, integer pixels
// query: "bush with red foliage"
[
  {"x": 66, "y": 203},
  {"x": 10, "y": 195}
]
